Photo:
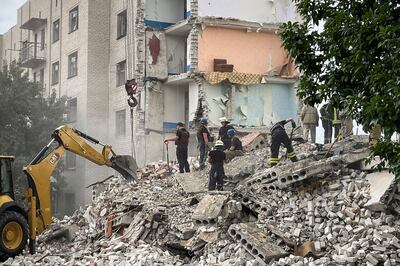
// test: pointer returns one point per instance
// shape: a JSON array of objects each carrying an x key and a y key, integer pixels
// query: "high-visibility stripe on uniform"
[
  {"x": 291, "y": 154},
  {"x": 273, "y": 160}
]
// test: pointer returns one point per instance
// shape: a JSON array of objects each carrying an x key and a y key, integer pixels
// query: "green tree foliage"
[
  {"x": 349, "y": 53},
  {"x": 27, "y": 118}
]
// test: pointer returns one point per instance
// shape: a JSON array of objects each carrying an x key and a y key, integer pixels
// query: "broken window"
[
  {"x": 121, "y": 69},
  {"x": 121, "y": 24},
  {"x": 56, "y": 30},
  {"x": 120, "y": 123},
  {"x": 73, "y": 65},
  {"x": 70, "y": 160},
  {"x": 73, "y": 19},
  {"x": 72, "y": 106},
  {"x": 55, "y": 73}
]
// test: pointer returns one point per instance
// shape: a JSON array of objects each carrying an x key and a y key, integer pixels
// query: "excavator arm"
[{"x": 40, "y": 169}]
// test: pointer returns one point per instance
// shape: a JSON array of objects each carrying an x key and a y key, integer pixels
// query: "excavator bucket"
[{"x": 125, "y": 165}]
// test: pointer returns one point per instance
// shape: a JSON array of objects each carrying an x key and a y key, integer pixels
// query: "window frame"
[
  {"x": 70, "y": 17},
  {"x": 122, "y": 20},
  {"x": 53, "y": 81},
  {"x": 70, "y": 56},
  {"x": 56, "y": 22},
  {"x": 118, "y": 71}
]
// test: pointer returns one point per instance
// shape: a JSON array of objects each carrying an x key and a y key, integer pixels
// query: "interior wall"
[
  {"x": 284, "y": 102},
  {"x": 252, "y": 105},
  {"x": 176, "y": 48},
  {"x": 174, "y": 105},
  {"x": 249, "y": 52}
]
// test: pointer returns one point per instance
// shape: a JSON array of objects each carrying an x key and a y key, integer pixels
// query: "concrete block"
[
  {"x": 361, "y": 253},
  {"x": 371, "y": 259},
  {"x": 368, "y": 223},
  {"x": 256, "y": 242},
  {"x": 296, "y": 232}
]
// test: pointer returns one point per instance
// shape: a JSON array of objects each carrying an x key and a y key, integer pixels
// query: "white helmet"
[
  {"x": 219, "y": 143},
  {"x": 224, "y": 120}
]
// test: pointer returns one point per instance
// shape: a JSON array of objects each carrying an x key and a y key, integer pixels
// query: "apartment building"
[
  {"x": 190, "y": 58},
  {"x": 65, "y": 46}
]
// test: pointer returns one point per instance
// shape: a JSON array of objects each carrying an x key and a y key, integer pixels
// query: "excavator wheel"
[{"x": 14, "y": 233}]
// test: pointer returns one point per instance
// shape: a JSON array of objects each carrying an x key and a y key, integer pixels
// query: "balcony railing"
[{"x": 32, "y": 56}]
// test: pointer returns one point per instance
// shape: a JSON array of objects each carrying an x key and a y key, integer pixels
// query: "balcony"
[
  {"x": 32, "y": 55},
  {"x": 33, "y": 23}
]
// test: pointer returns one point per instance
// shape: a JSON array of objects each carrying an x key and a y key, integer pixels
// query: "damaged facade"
[
  {"x": 169, "y": 47},
  {"x": 214, "y": 59}
]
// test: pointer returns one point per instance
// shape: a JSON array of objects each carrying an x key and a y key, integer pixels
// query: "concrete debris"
[
  {"x": 191, "y": 183},
  {"x": 317, "y": 211},
  {"x": 209, "y": 209},
  {"x": 380, "y": 183}
]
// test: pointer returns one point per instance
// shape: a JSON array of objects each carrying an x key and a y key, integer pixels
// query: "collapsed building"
[{"x": 329, "y": 208}]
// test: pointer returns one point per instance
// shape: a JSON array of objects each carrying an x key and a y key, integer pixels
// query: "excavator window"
[{"x": 6, "y": 181}]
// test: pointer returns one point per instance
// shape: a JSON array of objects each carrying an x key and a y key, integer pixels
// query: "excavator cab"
[
  {"x": 13, "y": 220},
  {"x": 6, "y": 178}
]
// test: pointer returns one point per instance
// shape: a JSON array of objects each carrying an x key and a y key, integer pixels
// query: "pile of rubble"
[{"x": 325, "y": 209}]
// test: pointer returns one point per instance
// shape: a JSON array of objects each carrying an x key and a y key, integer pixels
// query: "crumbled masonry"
[{"x": 312, "y": 212}]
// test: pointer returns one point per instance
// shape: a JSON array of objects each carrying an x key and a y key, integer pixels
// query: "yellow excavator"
[{"x": 20, "y": 226}]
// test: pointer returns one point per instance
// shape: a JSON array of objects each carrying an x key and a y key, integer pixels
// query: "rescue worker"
[
  {"x": 203, "y": 137},
  {"x": 279, "y": 136},
  {"x": 223, "y": 132},
  {"x": 336, "y": 122},
  {"x": 181, "y": 141},
  {"x": 236, "y": 148},
  {"x": 216, "y": 158},
  {"x": 310, "y": 119},
  {"x": 326, "y": 118}
]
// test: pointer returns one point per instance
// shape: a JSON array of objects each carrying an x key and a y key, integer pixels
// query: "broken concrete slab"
[
  {"x": 259, "y": 245},
  {"x": 380, "y": 183},
  {"x": 209, "y": 208}
]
